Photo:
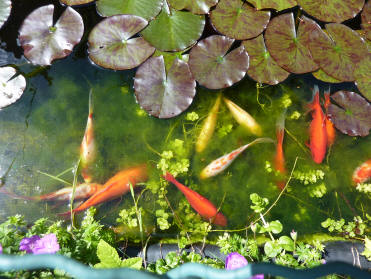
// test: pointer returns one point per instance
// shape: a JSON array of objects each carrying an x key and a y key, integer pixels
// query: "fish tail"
[
  {"x": 280, "y": 127},
  {"x": 15, "y": 196},
  {"x": 261, "y": 140}
]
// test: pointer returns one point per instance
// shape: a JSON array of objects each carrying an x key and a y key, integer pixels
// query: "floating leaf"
[
  {"x": 333, "y": 10},
  {"x": 278, "y": 5},
  {"x": 76, "y": 2},
  {"x": 5, "y": 7},
  {"x": 263, "y": 68},
  {"x": 146, "y": 9},
  {"x": 162, "y": 94},
  {"x": 169, "y": 57},
  {"x": 10, "y": 89},
  {"x": 238, "y": 20},
  {"x": 174, "y": 31},
  {"x": 363, "y": 76},
  {"x": 366, "y": 19},
  {"x": 352, "y": 116},
  {"x": 194, "y": 6},
  {"x": 111, "y": 45},
  {"x": 43, "y": 42},
  {"x": 212, "y": 67},
  {"x": 321, "y": 75},
  {"x": 288, "y": 48}
]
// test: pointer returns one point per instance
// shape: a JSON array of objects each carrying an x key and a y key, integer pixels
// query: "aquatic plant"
[{"x": 11, "y": 86}]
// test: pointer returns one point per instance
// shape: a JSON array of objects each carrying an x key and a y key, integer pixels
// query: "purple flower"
[
  {"x": 36, "y": 245},
  {"x": 28, "y": 243},
  {"x": 235, "y": 260},
  {"x": 1, "y": 249}
]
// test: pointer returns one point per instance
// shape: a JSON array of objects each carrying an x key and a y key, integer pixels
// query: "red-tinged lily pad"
[
  {"x": 263, "y": 68},
  {"x": 5, "y": 7},
  {"x": 321, "y": 75},
  {"x": 11, "y": 89},
  {"x": 43, "y": 42},
  {"x": 337, "y": 52},
  {"x": 362, "y": 74},
  {"x": 194, "y": 6},
  {"x": 238, "y": 20},
  {"x": 76, "y": 2},
  {"x": 366, "y": 20},
  {"x": 288, "y": 48},
  {"x": 146, "y": 9},
  {"x": 111, "y": 45},
  {"x": 352, "y": 116},
  {"x": 332, "y": 10},
  {"x": 278, "y": 5},
  {"x": 164, "y": 94},
  {"x": 212, "y": 67},
  {"x": 174, "y": 30}
]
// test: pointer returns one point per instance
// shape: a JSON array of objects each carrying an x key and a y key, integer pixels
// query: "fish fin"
[
  {"x": 327, "y": 98},
  {"x": 15, "y": 196},
  {"x": 91, "y": 101},
  {"x": 280, "y": 127}
]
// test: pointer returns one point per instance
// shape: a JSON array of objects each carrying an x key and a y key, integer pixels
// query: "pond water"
[{"x": 42, "y": 133}]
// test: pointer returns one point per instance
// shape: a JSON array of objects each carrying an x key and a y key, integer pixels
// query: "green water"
[{"x": 43, "y": 132}]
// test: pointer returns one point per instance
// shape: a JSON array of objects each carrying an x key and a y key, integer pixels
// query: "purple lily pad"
[
  {"x": 212, "y": 67},
  {"x": 5, "y": 7},
  {"x": 162, "y": 94},
  {"x": 263, "y": 68},
  {"x": 111, "y": 45},
  {"x": 43, "y": 42},
  {"x": 238, "y": 20},
  {"x": 288, "y": 48},
  {"x": 333, "y": 10},
  {"x": 76, "y": 2},
  {"x": 273, "y": 4},
  {"x": 362, "y": 74},
  {"x": 11, "y": 89},
  {"x": 352, "y": 116},
  {"x": 366, "y": 20},
  {"x": 321, "y": 75},
  {"x": 194, "y": 6}
]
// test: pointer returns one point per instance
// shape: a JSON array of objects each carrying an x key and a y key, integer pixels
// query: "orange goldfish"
[
  {"x": 279, "y": 159},
  {"x": 199, "y": 203},
  {"x": 220, "y": 164},
  {"x": 362, "y": 173},
  {"x": 317, "y": 129},
  {"x": 330, "y": 130}
]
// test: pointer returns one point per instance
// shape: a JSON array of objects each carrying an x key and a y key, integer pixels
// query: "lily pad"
[
  {"x": 288, "y": 48},
  {"x": 212, "y": 67},
  {"x": 11, "y": 89},
  {"x": 352, "y": 116},
  {"x": 238, "y": 20},
  {"x": 146, "y": 9},
  {"x": 162, "y": 94},
  {"x": 5, "y": 7},
  {"x": 338, "y": 51},
  {"x": 321, "y": 75},
  {"x": 366, "y": 19},
  {"x": 194, "y": 6},
  {"x": 76, "y": 2},
  {"x": 43, "y": 42},
  {"x": 278, "y": 5},
  {"x": 333, "y": 10},
  {"x": 174, "y": 30},
  {"x": 263, "y": 68},
  {"x": 111, "y": 45},
  {"x": 363, "y": 77}
]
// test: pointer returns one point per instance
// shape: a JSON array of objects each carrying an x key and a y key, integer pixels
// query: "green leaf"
[
  {"x": 146, "y": 9},
  {"x": 259, "y": 202},
  {"x": 367, "y": 251},
  {"x": 278, "y": 5},
  {"x": 11, "y": 88},
  {"x": 275, "y": 227},
  {"x": 135, "y": 263},
  {"x": 76, "y": 2},
  {"x": 366, "y": 20},
  {"x": 238, "y": 20},
  {"x": 272, "y": 249},
  {"x": 194, "y": 6},
  {"x": 107, "y": 255},
  {"x": 362, "y": 76},
  {"x": 5, "y": 7},
  {"x": 321, "y": 75},
  {"x": 286, "y": 243},
  {"x": 42, "y": 41}
]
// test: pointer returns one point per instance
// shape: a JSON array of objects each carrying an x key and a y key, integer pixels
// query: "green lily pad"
[
  {"x": 43, "y": 42},
  {"x": 338, "y": 51},
  {"x": 288, "y": 48},
  {"x": 263, "y": 68},
  {"x": 366, "y": 20},
  {"x": 11, "y": 89},
  {"x": 169, "y": 57},
  {"x": 352, "y": 116},
  {"x": 333, "y": 10},
  {"x": 194, "y": 6},
  {"x": 321, "y": 75},
  {"x": 146, "y": 9},
  {"x": 162, "y": 94},
  {"x": 238, "y": 20},
  {"x": 278, "y": 5},
  {"x": 174, "y": 30},
  {"x": 111, "y": 45},
  {"x": 5, "y": 7},
  {"x": 76, "y": 2},
  {"x": 363, "y": 76},
  {"x": 212, "y": 67}
]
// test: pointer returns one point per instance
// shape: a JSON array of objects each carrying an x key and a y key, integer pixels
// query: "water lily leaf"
[
  {"x": 146, "y": 9},
  {"x": 332, "y": 11},
  {"x": 194, "y": 6},
  {"x": 366, "y": 19},
  {"x": 363, "y": 76},
  {"x": 169, "y": 57},
  {"x": 10, "y": 89},
  {"x": 111, "y": 45},
  {"x": 76, "y": 2},
  {"x": 352, "y": 116},
  {"x": 175, "y": 30},
  {"x": 263, "y": 68},
  {"x": 162, "y": 94},
  {"x": 288, "y": 48},
  {"x": 43, "y": 42},
  {"x": 321, "y": 75},
  {"x": 5, "y": 7},
  {"x": 278, "y": 5},
  {"x": 238, "y": 20},
  {"x": 212, "y": 67},
  {"x": 338, "y": 51}
]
